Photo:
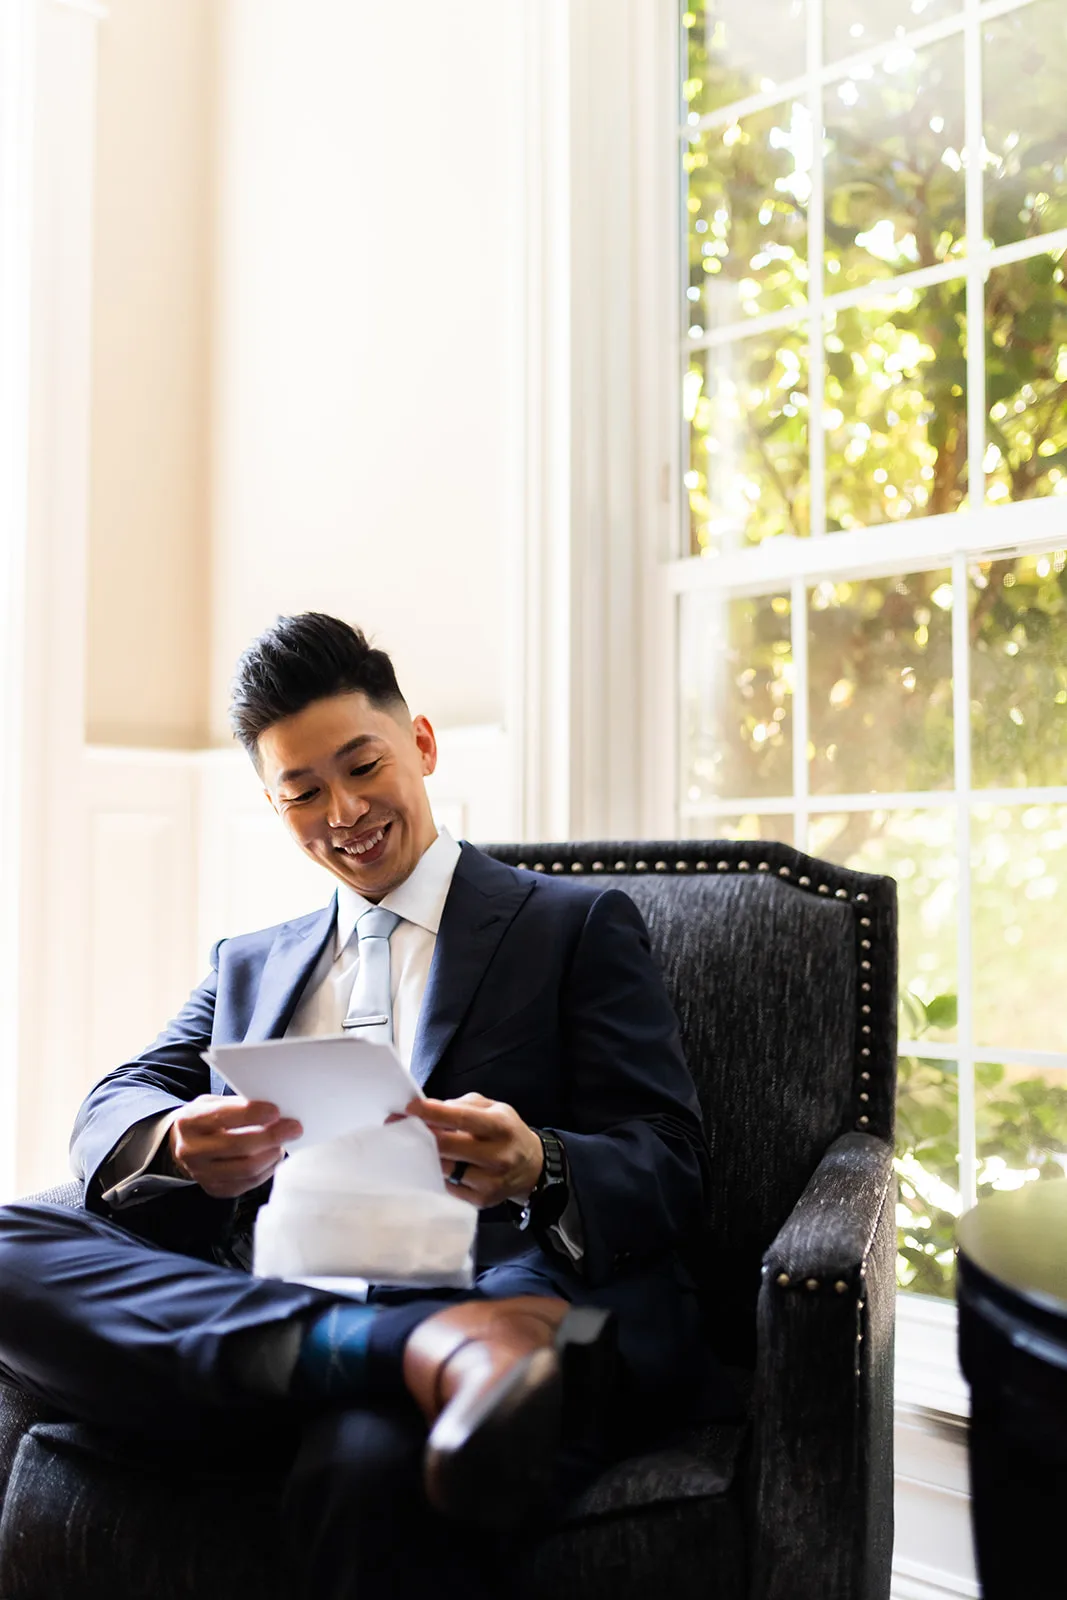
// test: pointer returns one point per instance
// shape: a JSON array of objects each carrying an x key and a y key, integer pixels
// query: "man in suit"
[{"x": 532, "y": 1012}]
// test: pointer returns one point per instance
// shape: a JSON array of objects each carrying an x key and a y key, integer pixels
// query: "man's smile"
[{"x": 367, "y": 847}]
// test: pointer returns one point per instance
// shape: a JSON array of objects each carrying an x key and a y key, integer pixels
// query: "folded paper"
[{"x": 331, "y": 1085}]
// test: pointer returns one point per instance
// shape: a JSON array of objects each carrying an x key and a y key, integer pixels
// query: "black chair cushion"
[{"x": 118, "y": 1526}]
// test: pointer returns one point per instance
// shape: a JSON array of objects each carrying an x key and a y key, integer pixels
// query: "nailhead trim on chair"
[{"x": 802, "y": 881}]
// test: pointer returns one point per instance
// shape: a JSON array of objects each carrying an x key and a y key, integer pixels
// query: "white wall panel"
[
  {"x": 141, "y": 899},
  {"x": 933, "y": 1555}
]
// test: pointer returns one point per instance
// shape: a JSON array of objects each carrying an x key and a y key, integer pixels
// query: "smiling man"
[{"x": 533, "y": 1014}]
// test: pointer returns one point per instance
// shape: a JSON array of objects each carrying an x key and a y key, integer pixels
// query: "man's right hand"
[{"x": 227, "y": 1144}]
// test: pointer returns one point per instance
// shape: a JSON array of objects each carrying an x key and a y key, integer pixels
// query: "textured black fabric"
[
  {"x": 782, "y": 970},
  {"x": 822, "y": 1449},
  {"x": 64, "y": 1194},
  {"x": 18, "y": 1413},
  {"x": 76, "y": 1527},
  {"x": 78, "y": 1507},
  {"x": 790, "y": 1037},
  {"x": 683, "y": 1549}
]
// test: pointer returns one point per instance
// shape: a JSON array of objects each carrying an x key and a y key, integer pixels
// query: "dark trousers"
[{"x": 119, "y": 1333}]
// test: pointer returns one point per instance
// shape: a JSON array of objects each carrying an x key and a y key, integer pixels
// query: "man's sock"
[
  {"x": 332, "y": 1361},
  {"x": 350, "y": 1352},
  {"x": 355, "y": 1352}
]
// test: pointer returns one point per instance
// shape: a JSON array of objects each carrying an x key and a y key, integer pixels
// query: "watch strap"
[{"x": 551, "y": 1193}]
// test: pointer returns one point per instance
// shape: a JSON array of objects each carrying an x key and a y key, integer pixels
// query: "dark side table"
[{"x": 1012, "y": 1292}]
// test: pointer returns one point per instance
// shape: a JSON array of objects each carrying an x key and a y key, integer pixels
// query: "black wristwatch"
[{"x": 550, "y": 1194}]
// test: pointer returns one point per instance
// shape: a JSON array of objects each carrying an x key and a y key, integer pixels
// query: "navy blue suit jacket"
[{"x": 542, "y": 993}]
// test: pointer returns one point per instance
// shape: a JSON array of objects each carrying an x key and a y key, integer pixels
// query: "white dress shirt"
[{"x": 420, "y": 902}]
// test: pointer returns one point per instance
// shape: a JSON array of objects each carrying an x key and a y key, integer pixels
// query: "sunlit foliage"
[
  {"x": 891, "y": 434},
  {"x": 892, "y": 156}
]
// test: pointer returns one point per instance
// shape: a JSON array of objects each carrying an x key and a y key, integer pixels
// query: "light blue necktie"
[{"x": 370, "y": 1010}]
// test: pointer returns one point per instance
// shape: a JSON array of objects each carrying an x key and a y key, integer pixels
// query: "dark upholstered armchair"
[{"x": 783, "y": 972}]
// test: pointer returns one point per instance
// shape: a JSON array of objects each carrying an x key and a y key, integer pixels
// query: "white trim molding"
[
  {"x": 928, "y": 1375},
  {"x": 592, "y": 698},
  {"x": 51, "y": 664},
  {"x": 17, "y": 50},
  {"x": 538, "y": 712},
  {"x": 933, "y": 1552},
  {"x": 915, "y": 1580},
  {"x": 921, "y": 544}
]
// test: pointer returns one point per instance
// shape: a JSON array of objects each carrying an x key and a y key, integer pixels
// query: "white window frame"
[{"x": 928, "y": 1372}]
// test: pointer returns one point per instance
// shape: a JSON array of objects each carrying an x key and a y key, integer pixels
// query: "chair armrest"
[
  {"x": 822, "y": 1467},
  {"x": 829, "y": 1232}
]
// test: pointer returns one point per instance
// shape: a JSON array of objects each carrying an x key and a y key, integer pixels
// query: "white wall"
[
  {"x": 147, "y": 667},
  {"x": 369, "y": 304}
]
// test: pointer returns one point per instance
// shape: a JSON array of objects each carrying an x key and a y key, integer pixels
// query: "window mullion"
[
  {"x": 961, "y": 651},
  {"x": 977, "y": 264},
  {"x": 816, "y": 332},
  {"x": 799, "y": 637},
  {"x": 961, "y": 716}
]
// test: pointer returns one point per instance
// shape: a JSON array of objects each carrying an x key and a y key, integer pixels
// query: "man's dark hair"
[{"x": 302, "y": 659}]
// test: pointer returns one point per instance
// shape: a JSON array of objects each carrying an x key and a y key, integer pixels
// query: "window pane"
[
  {"x": 749, "y": 185},
  {"x": 1018, "y": 886},
  {"x": 853, "y": 25},
  {"x": 928, "y": 1200},
  {"x": 1022, "y": 1124},
  {"x": 880, "y": 684},
  {"x": 748, "y": 826},
  {"x": 918, "y": 849},
  {"x": 734, "y": 49},
  {"x": 1025, "y": 121},
  {"x": 1019, "y": 671},
  {"x": 747, "y": 476},
  {"x": 896, "y": 409},
  {"x": 1026, "y": 380},
  {"x": 737, "y": 677},
  {"x": 894, "y": 171}
]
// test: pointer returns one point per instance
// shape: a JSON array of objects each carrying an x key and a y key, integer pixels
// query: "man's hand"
[
  {"x": 503, "y": 1156},
  {"x": 227, "y": 1144}
]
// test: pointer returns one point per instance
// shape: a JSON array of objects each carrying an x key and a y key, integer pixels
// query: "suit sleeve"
[
  {"x": 169, "y": 1074},
  {"x": 639, "y": 1165}
]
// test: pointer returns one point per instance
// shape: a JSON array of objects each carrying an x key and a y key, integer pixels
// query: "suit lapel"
[
  {"x": 292, "y": 957},
  {"x": 481, "y": 904}
]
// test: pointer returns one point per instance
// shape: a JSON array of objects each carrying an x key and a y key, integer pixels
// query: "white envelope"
[
  {"x": 370, "y": 1206},
  {"x": 357, "y": 1200}
]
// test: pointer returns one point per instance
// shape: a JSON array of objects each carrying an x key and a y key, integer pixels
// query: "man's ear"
[
  {"x": 271, "y": 801},
  {"x": 426, "y": 740}
]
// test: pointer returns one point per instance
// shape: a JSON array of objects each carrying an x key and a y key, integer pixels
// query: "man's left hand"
[{"x": 503, "y": 1156}]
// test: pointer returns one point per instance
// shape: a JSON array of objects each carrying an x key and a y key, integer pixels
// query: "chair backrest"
[{"x": 782, "y": 969}]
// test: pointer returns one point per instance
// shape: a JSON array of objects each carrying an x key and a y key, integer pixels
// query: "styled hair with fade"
[{"x": 299, "y": 660}]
